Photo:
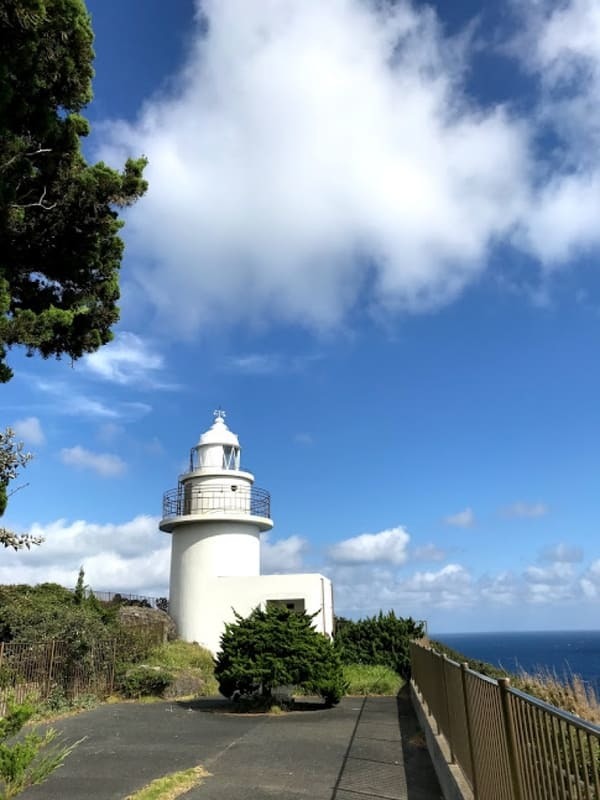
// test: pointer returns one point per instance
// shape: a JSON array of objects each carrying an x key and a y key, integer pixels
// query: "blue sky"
[{"x": 371, "y": 236}]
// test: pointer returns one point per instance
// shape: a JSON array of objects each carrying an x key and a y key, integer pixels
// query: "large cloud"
[
  {"x": 282, "y": 555},
  {"x": 560, "y": 45},
  {"x": 312, "y": 153},
  {"x": 131, "y": 557},
  {"x": 389, "y": 546}
]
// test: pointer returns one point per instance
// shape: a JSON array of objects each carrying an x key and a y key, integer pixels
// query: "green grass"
[
  {"x": 171, "y": 786},
  {"x": 366, "y": 679},
  {"x": 192, "y": 668},
  {"x": 181, "y": 655}
]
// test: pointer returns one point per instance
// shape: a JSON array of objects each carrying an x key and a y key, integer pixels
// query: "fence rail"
[
  {"x": 508, "y": 744},
  {"x": 41, "y": 670},
  {"x": 228, "y": 498},
  {"x": 37, "y": 670}
]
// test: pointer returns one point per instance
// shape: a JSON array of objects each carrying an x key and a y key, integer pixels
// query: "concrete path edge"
[{"x": 452, "y": 782}]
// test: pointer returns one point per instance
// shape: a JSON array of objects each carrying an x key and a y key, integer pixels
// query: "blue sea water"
[{"x": 564, "y": 652}]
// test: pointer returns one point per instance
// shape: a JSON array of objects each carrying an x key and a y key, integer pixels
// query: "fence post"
[
  {"x": 113, "y": 667},
  {"x": 50, "y": 667},
  {"x": 450, "y": 737},
  {"x": 511, "y": 742},
  {"x": 463, "y": 674}
]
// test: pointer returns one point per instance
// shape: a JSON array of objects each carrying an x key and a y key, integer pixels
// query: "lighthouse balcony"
[{"x": 188, "y": 500}]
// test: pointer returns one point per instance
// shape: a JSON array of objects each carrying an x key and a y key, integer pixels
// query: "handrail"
[
  {"x": 508, "y": 744},
  {"x": 186, "y": 500}
]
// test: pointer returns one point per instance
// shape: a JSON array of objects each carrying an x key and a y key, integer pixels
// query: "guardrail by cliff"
[{"x": 507, "y": 744}]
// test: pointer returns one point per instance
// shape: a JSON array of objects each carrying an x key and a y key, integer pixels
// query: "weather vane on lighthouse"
[{"x": 219, "y": 413}]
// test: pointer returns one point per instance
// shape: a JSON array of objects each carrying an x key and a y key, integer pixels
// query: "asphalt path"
[{"x": 363, "y": 748}]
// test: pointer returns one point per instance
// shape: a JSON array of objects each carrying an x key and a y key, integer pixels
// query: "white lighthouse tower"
[{"x": 216, "y": 516}]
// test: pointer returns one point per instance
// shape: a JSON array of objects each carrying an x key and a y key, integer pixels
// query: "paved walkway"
[{"x": 364, "y": 749}]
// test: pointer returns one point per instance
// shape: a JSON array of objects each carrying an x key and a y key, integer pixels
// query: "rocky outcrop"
[{"x": 148, "y": 619}]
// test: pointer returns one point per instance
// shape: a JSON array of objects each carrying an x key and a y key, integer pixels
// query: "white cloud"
[
  {"x": 283, "y": 555},
  {"x": 562, "y": 553},
  {"x": 428, "y": 552},
  {"x": 590, "y": 581},
  {"x": 526, "y": 510},
  {"x": 462, "y": 519},
  {"x": 560, "y": 44},
  {"x": 308, "y": 150},
  {"x": 128, "y": 360},
  {"x": 559, "y": 572},
  {"x": 256, "y": 363},
  {"x": 73, "y": 403},
  {"x": 30, "y": 430},
  {"x": 107, "y": 465},
  {"x": 387, "y": 546},
  {"x": 130, "y": 557},
  {"x": 110, "y": 432}
]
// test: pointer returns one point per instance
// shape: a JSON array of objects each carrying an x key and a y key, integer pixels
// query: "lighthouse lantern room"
[{"x": 216, "y": 516}]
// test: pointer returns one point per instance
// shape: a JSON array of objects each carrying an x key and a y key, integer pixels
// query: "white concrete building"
[{"x": 216, "y": 516}]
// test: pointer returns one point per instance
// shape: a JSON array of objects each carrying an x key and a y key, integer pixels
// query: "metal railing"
[
  {"x": 34, "y": 670},
  {"x": 508, "y": 744},
  {"x": 185, "y": 500}
]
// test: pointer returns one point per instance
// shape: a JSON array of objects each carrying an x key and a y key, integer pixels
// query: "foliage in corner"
[
  {"x": 59, "y": 223},
  {"x": 12, "y": 459},
  {"x": 383, "y": 639},
  {"x": 277, "y": 647},
  {"x": 30, "y": 759}
]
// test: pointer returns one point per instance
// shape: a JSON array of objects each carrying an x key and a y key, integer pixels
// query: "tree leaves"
[{"x": 60, "y": 250}]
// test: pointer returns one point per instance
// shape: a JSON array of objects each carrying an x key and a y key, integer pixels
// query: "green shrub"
[
  {"x": 30, "y": 759},
  {"x": 372, "y": 679},
  {"x": 274, "y": 648},
  {"x": 144, "y": 681},
  {"x": 380, "y": 640}
]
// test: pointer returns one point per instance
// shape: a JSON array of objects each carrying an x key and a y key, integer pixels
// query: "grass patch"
[
  {"x": 171, "y": 786},
  {"x": 368, "y": 679},
  {"x": 181, "y": 655},
  {"x": 192, "y": 669},
  {"x": 569, "y": 692}
]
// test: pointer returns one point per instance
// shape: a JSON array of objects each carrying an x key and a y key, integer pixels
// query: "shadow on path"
[{"x": 363, "y": 749}]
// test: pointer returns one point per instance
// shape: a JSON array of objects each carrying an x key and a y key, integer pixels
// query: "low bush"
[
  {"x": 275, "y": 648},
  {"x": 143, "y": 681},
  {"x": 31, "y": 758},
  {"x": 372, "y": 680}
]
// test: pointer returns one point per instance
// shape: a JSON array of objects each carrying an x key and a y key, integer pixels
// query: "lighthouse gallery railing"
[{"x": 186, "y": 500}]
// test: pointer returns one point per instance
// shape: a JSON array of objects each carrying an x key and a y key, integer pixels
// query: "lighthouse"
[{"x": 215, "y": 517}]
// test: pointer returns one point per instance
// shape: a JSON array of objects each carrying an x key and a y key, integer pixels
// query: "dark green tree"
[
  {"x": 60, "y": 249},
  {"x": 383, "y": 639},
  {"x": 273, "y": 648}
]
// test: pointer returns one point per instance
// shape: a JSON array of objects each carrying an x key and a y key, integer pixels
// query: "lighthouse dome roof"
[{"x": 219, "y": 433}]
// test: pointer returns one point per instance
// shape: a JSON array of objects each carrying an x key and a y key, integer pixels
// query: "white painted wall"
[
  {"x": 215, "y": 600},
  {"x": 200, "y": 552}
]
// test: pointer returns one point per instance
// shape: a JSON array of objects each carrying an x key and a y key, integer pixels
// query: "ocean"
[{"x": 564, "y": 652}]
